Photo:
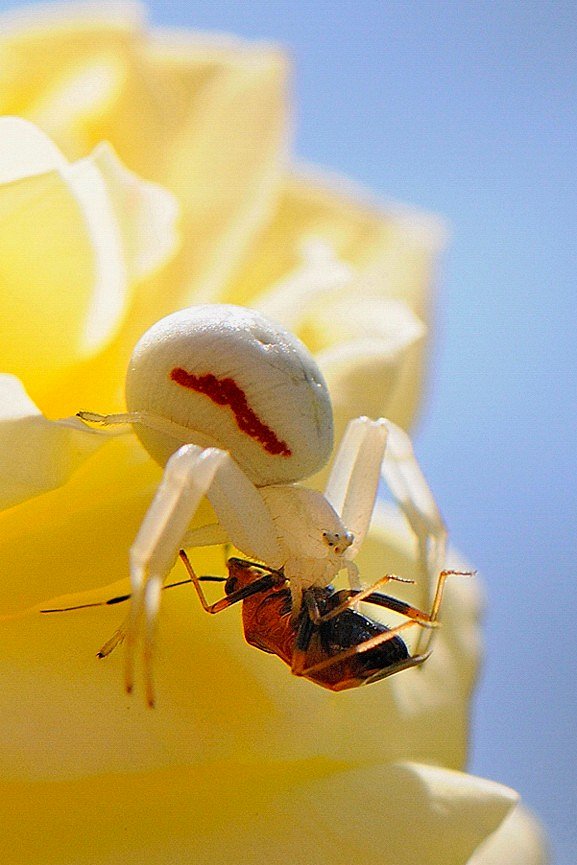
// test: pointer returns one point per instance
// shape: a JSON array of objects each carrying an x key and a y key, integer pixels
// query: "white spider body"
[
  {"x": 237, "y": 410},
  {"x": 217, "y": 376},
  {"x": 311, "y": 535}
]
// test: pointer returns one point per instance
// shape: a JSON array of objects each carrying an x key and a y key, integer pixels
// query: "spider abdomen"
[{"x": 229, "y": 378}]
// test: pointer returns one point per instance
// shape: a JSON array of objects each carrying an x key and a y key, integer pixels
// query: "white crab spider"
[{"x": 238, "y": 411}]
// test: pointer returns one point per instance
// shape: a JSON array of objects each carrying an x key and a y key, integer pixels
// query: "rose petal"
[
  {"x": 146, "y": 213},
  {"x": 519, "y": 840},
  {"x": 66, "y": 265},
  {"x": 224, "y": 152},
  {"x": 64, "y": 64},
  {"x": 26, "y": 151},
  {"x": 211, "y": 119},
  {"x": 47, "y": 275},
  {"x": 399, "y": 244},
  {"x": 308, "y": 813},
  {"x": 316, "y": 281},
  {"x": 392, "y": 249},
  {"x": 364, "y": 367},
  {"x": 36, "y": 454},
  {"x": 78, "y": 535},
  {"x": 410, "y": 814}
]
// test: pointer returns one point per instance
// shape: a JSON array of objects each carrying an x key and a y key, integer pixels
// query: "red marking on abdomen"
[{"x": 225, "y": 391}]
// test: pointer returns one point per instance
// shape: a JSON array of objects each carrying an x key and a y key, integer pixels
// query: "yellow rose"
[
  {"x": 239, "y": 761},
  {"x": 208, "y": 119}
]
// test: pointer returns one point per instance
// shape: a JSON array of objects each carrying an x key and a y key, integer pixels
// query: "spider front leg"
[
  {"x": 190, "y": 473},
  {"x": 354, "y": 478},
  {"x": 126, "y": 421},
  {"x": 368, "y": 449}
]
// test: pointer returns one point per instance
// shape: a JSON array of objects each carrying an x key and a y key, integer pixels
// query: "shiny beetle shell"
[{"x": 235, "y": 381}]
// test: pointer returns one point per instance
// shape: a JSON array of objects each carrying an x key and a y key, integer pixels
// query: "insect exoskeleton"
[{"x": 234, "y": 380}]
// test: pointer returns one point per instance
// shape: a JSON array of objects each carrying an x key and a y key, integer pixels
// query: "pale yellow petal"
[
  {"x": 26, "y": 151},
  {"x": 147, "y": 214},
  {"x": 400, "y": 244},
  {"x": 225, "y": 158},
  {"x": 364, "y": 364},
  {"x": 393, "y": 250},
  {"x": 410, "y": 814},
  {"x": 307, "y": 813},
  {"x": 77, "y": 536},
  {"x": 205, "y": 117},
  {"x": 36, "y": 454},
  {"x": 519, "y": 840},
  {"x": 64, "y": 64},
  {"x": 314, "y": 283},
  {"x": 47, "y": 263},
  {"x": 73, "y": 241}
]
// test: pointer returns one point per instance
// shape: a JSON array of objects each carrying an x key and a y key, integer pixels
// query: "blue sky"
[{"x": 468, "y": 109}]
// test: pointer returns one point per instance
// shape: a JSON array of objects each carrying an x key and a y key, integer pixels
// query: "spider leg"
[
  {"x": 106, "y": 423},
  {"x": 370, "y": 448},
  {"x": 354, "y": 478},
  {"x": 190, "y": 473},
  {"x": 408, "y": 485}
]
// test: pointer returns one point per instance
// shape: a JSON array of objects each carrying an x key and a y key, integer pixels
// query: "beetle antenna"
[{"x": 120, "y": 599}]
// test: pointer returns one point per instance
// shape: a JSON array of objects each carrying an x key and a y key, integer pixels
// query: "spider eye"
[{"x": 340, "y": 541}]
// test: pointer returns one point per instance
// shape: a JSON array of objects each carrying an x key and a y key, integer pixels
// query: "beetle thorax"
[{"x": 310, "y": 532}]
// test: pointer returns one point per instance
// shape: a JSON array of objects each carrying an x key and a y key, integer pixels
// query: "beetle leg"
[
  {"x": 354, "y": 596},
  {"x": 260, "y": 584},
  {"x": 367, "y": 645},
  {"x": 369, "y": 596},
  {"x": 307, "y": 622},
  {"x": 411, "y": 661}
]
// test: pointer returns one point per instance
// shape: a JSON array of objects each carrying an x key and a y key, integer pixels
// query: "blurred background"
[{"x": 467, "y": 109}]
